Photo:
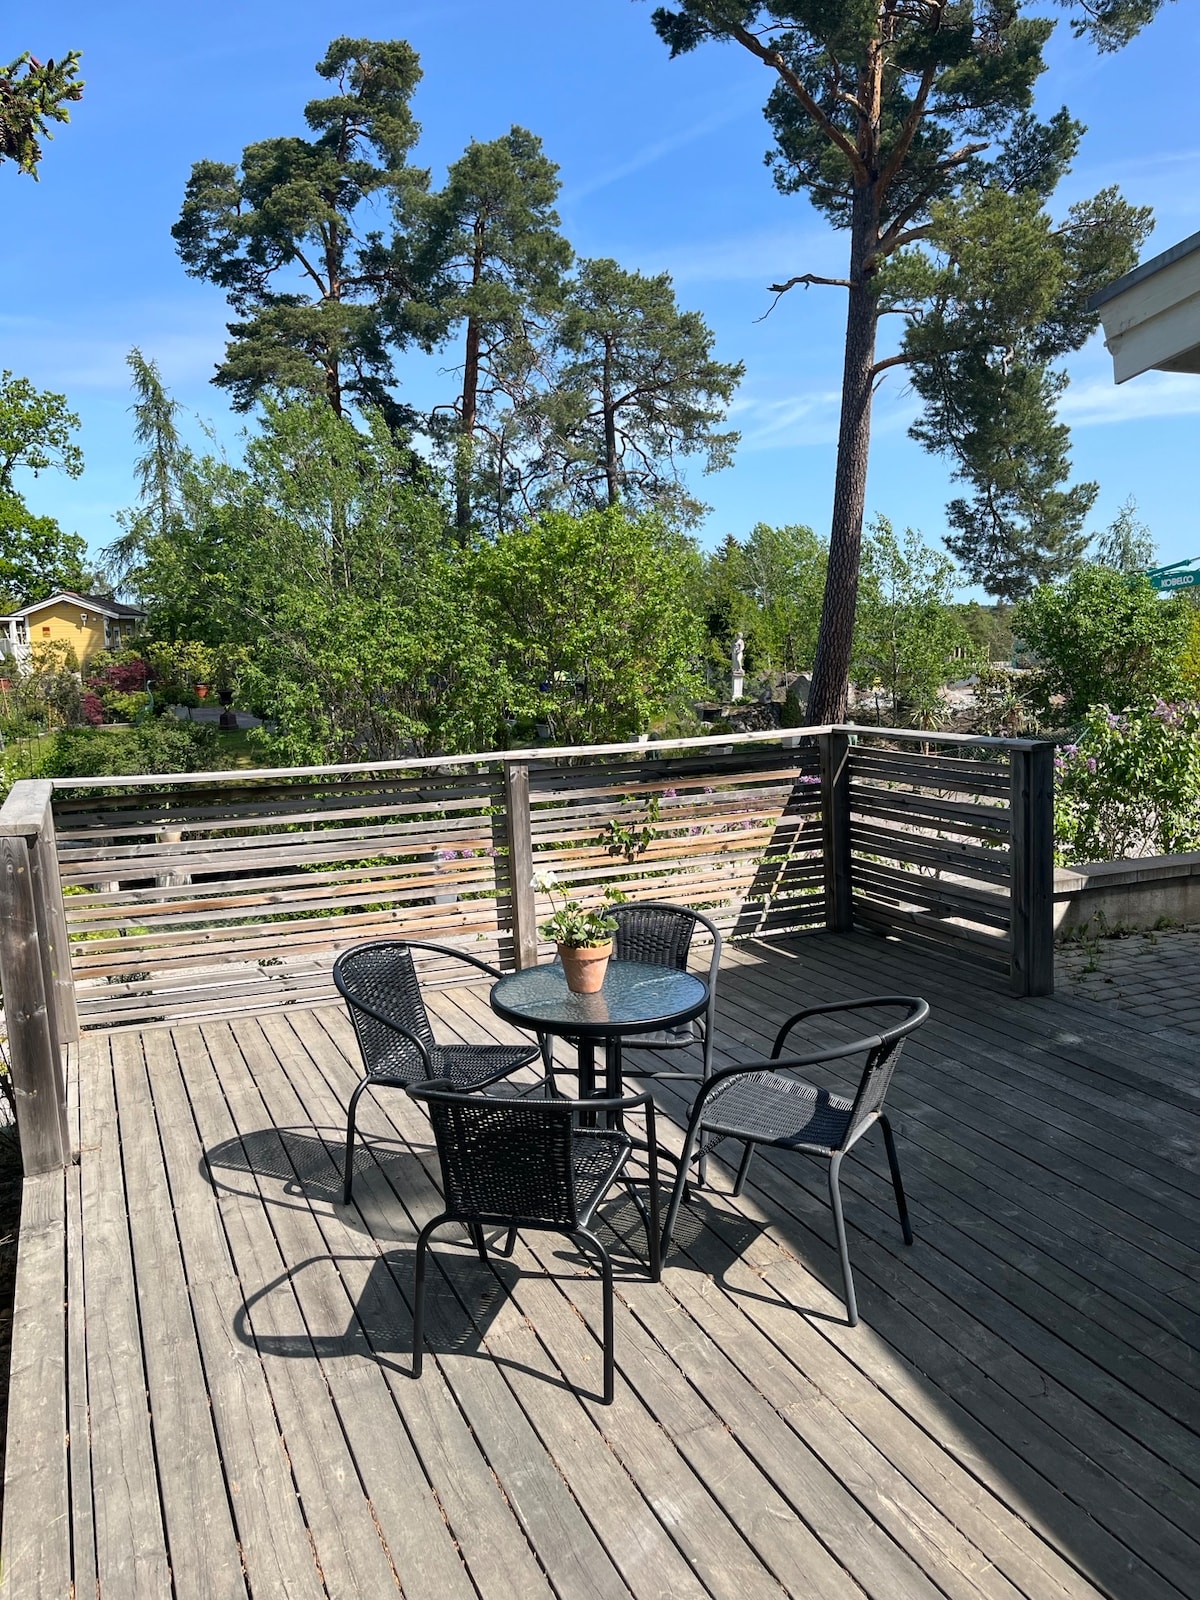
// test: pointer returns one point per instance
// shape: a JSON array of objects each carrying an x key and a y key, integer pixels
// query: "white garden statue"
[{"x": 739, "y": 667}]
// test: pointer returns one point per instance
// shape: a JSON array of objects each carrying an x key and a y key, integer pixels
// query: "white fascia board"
[{"x": 1155, "y": 321}]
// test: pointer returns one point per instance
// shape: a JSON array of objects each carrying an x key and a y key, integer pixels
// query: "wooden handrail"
[
  {"x": 542, "y": 753},
  {"x": 35, "y": 972}
]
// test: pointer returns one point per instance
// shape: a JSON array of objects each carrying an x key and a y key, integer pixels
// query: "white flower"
[{"x": 545, "y": 880}]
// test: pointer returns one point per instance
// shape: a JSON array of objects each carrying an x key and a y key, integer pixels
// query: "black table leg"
[
  {"x": 587, "y": 1069},
  {"x": 612, "y": 1067}
]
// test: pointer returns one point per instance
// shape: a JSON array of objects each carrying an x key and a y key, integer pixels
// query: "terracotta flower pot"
[{"x": 585, "y": 965}]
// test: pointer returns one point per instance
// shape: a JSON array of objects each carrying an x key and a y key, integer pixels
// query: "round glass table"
[{"x": 635, "y": 998}]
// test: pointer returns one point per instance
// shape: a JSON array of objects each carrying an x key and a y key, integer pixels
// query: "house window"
[
  {"x": 22, "y": 632},
  {"x": 46, "y": 632}
]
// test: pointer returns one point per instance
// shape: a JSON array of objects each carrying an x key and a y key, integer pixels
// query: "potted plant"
[{"x": 584, "y": 938}]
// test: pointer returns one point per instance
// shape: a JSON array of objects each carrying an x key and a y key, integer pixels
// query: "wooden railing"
[{"x": 209, "y": 894}]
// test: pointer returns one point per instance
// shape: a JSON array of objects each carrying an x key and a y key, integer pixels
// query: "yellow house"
[{"x": 86, "y": 622}]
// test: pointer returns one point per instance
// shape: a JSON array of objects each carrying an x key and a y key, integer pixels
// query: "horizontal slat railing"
[
  {"x": 931, "y": 846},
  {"x": 211, "y": 894},
  {"x": 216, "y": 894}
]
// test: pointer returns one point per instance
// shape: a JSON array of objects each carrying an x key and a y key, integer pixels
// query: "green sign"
[{"x": 1175, "y": 577}]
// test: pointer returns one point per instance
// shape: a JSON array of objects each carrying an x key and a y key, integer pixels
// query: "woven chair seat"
[
  {"x": 775, "y": 1110},
  {"x": 464, "y": 1066},
  {"x": 662, "y": 1038},
  {"x": 597, "y": 1155}
]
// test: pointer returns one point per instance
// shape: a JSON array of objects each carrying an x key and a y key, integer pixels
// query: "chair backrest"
[
  {"x": 504, "y": 1160},
  {"x": 881, "y": 1066},
  {"x": 379, "y": 985},
  {"x": 654, "y": 932}
]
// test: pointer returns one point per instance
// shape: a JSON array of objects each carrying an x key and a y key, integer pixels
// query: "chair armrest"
[
  {"x": 918, "y": 1010},
  {"x": 459, "y": 955}
]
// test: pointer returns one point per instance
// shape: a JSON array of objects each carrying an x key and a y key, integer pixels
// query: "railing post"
[
  {"x": 835, "y": 823},
  {"x": 520, "y": 862},
  {"x": 31, "y": 957},
  {"x": 1031, "y": 818}
]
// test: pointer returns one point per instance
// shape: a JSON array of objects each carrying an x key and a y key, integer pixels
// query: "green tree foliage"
[
  {"x": 1002, "y": 292},
  {"x": 784, "y": 574},
  {"x": 37, "y": 558},
  {"x": 727, "y": 609},
  {"x": 636, "y": 392},
  {"x": 1103, "y": 639},
  {"x": 1127, "y": 544},
  {"x": 322, "y": 295},
  {"x": 909, "y": 638},
  {"x": 159, "y": 467},
  {"x": 590, "y": 621},
  {"x": 1130, "y": 785},
  {"x": 335, "y": 574},
  {"x": 36, "y": 555},
  {"x": 909, "y": 127},
  {"x": 33, "y": 94},
  {"x": 990, "y": 628},
  {"x": 492, "y": 250}
]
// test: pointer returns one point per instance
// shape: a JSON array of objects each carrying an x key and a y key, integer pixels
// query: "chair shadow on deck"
[{"x": 463, "y": 1293}]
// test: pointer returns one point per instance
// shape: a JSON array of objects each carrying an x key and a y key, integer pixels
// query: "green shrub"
[
  {"x": 158, "y": 746},
  {"x": 1130, "y": 785}
]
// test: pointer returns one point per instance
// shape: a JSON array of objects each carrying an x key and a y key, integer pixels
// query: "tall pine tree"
[{"x": 907, "y": 124}]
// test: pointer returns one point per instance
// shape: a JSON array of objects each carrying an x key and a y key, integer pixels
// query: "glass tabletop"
[{"x": 636, "y": 996}]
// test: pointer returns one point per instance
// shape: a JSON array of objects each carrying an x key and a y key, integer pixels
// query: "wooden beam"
[
  {"x": 520, "y": 862},
  {"x": 835, "y": 822},
  {"x": 1032, "y": 848},
  {"x": 35, "y": 1053}
]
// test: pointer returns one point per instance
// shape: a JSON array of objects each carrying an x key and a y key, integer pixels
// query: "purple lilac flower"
[
  {"x": 1091, "y": 763},
  {"x": 448, "y": 855},
  {"x": 668, "y": 794}
]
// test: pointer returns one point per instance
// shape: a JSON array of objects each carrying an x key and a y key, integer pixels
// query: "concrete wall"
[{"x": 1127, "y": 894}]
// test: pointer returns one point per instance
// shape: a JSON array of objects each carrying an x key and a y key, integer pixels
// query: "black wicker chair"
[
  {"x": 523, "y": 1163},
  {"x": 763, "y": 1102},
  {"x": 383, "y": 995}
]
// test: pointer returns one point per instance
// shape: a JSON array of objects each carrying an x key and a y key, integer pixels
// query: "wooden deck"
[{"x": 210, "y": 1373}]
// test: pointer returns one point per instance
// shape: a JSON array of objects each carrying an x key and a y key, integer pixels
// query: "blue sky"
[{"x": 662, "y": 168}]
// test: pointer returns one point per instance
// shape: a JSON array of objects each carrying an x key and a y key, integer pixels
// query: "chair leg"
[
  {"x": 510, "y": 1242},
  {"x": 606, "y": 1275},
  {"x": 418, "y": 1355},
  {"x": 348, "y": 1173},
  {"x": 893, "y": 1162},
  {"x": 739, "y": 1183},
  {"x": 475, "y": 1229},
  {"x": 839, "y": 1223}
]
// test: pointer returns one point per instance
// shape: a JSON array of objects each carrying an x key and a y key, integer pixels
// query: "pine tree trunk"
[
  {"x": 466, "y": 438},
  {"x": 831, "y": 669},
  {"x": 470, "y": 401},
  {"x": 610, "y": 428}
]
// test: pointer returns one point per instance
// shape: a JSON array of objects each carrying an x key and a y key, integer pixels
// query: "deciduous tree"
[
  {"x": 36, "y": 433},
  {"x": 590, "y": 621},
  {"x": 909, "y": 638},
  {"x": 1103, "y": 638}
]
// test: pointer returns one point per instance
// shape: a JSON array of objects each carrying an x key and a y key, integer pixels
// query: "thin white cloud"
[
  {"x": 810, "y": 418},
  {"x": 736, "y": 105},
  {"x": 1154, "y": 394}
]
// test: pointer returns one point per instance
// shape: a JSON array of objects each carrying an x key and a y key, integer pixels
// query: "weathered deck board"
[{"x": 222, "y": 1407}]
